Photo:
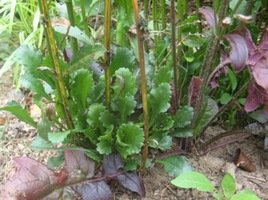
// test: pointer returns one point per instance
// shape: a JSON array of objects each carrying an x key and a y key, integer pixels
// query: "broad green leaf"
[
  {"x": 228, "y": 185},
  {"x": 193, "y": 41},
  {"x": 193, "y": 180},
  {"x": 85, "y": 56},
  {"x": 94, "y": 114},
  {"x": 41, "y": 144},
  {"x": 16, "y": 109},
  {"x": 241, "y": 8},
  {"x": 160, "y": 141},
  {"x": 28, "y": 81},
  {"x": 123, "y": 58},
  {"x": 225, "y": 98},
  {"x": 28, "y": 56},
  {"x": 73, "y": 31},
  {"x": 44, "y": 127},
  {"x": 105, "y": 144},
  {"x": 58, "y": 137},
  {"x": 245, "y": 195},
  {"x": 209, "y": 110},
  {"x": 125, "y": 105},
  {"x": 163, "y": 75},
  {"x": 125, "y": 83},
  {"x": 129, "y": 139},
  {"x": 81, "y": 86},
  {"x": 158, "y": 99},
  {"x": 232, "y": 78},
  {"x": 183, "y": 117},
  {"x": 175, "y": 165}
]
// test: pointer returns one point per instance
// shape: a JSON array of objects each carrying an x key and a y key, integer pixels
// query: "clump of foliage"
[{"x": 201, "y": 183}]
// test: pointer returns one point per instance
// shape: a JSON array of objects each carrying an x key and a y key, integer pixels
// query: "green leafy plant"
[{"x": 200, "y": 182}]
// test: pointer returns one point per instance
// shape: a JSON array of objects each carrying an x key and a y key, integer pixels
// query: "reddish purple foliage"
[
  {"x": 194, "y": 90},
  {"x": 209, "y": 15}
]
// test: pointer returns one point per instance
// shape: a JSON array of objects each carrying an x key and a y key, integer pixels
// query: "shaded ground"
[{"x": 16, "y": 138}]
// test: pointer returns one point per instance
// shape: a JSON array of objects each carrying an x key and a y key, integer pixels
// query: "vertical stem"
[
  {"x": 143, "y": 84},
  {"x": 61, "y": 89},
  {"x": 174, "y": 56},
  {"x": 85, "y": 21},
  {"x": 208, "y": 63},
  {"x": 70, "y": 11},
  {"x": 107, "y": 31}
]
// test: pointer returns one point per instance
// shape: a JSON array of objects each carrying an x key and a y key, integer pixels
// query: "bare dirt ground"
[{"x": 16, "y": 137}]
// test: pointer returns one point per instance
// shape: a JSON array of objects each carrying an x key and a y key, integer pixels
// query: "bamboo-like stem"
[
  {"x": 174, "y": 56},
  {"x": 61, "y": 89},
  {"x": 85, "y": 20},
  {"x": 70, "y": 11},
  {"x": 208, "y": 63},
  {"x": 143, "y": 84},
  {"x": 107, "y": 32}
]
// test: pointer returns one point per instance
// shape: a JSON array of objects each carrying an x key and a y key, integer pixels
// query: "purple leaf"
[
  {"x": 239, "y": 51},
  {"x": 264, "y": 42},
  {"x": 209, "y": 15},
  {"x": 256, "y": 97},
  {"x": 133, "y": 182},
  {"x": 77, "y": 162},
  {"x": 112, "y": 164},
  {"x": 32, "y": 180},
  {"x": 260, "y": 73},
  {"x": 194, "y": 90},
  {"x": 93, "y": 191}
]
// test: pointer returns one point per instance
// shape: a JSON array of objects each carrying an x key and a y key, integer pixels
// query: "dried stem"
[
  {"x": 61, "y": 89},
  {"x": 143, "y": 84}
]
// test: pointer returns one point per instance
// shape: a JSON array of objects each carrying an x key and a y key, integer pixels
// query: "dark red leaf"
[
  {"x": 256, "y": 97},
  {"x": 133, "y": 182},
  {"x": 194, "y": 90},
  {"x": 209, "y": 15},
  {"x": 260, "y": 73},
  {"x": 112, "y": 164},
  {"x": 31, "y": 181},
  {"x": 239, "y": 51},
  {"x": 93, "y": 191}
]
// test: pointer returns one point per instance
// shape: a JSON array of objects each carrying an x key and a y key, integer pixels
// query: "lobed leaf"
[{"x": 183, "y": 116}]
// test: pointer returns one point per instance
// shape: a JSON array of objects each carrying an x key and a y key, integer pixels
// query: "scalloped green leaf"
[
  {"x": 158, "y": 99},
  {"x": 125, "y": 83},
  {"x": 28, "y": 56},
  {"x": 58, "y": 137},
  {"x": 122, "y": 58},
  {"x": 163, "y": 75},
  {"x": 94, "y": 115},
  {"x": 129, "y": 139},
  {"x": 16, "y": 109},
  {"x": 175, "y": 165},
  {"x": 81, "y": 86},
  {"x": 125, "y": 106},
  {"x": 228, "y": 185},
  {"x": 193, "y": 180},
  {"x": 105, "y": 144},
  {"x": 183, "y": 117}
]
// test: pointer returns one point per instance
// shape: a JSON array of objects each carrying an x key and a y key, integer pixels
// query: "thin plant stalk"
[
  {"x": 236, "y": 7},
  {"x": 143, "y": 84},
  {"x": 56, "y": 64},
  {"x": 163, "y": 16},
  {"x": 85, "y": 20},
  {"x": 181, "y": 9},
  {"x": 174, "y": 56},
  {"x": 74, "y": 43},
  {"x": 107, "y": 32},
  {"x": 208, "y": 63},
  {"x": 146, "y": 7}
]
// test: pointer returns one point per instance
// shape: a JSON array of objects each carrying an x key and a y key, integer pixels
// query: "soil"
[{"x": 16, "y": 138}]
